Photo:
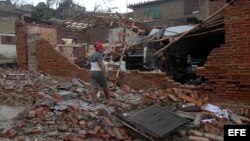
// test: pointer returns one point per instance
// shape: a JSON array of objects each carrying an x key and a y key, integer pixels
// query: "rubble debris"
[
  {"x": 59, "y": 109},
  {"x": 207, "y": 135},
  {"x": 190, "y": 99},
  {"x": 65, "y": 86},
  {"x": 214, "y": 137},
  {"x": 215, "y": 109},
  {"x": 20, "y": 138}
]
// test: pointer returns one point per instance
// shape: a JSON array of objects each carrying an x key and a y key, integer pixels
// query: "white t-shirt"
[{"x": 94, "y": 58}]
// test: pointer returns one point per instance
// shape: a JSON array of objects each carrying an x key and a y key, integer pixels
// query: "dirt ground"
[{"x": 7, "y": 115}]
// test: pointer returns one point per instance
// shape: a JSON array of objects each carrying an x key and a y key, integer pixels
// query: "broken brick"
[
  {"x": 56, "y": 97},
  {"x": 117, "y": 133},
  {"x": 109, "y": 131},
  {"x": 20, "y": 138},
  {"x": 195, "y": 138},
  {"x": 20, "y": 125},
  {"x": 190, "y": 99},
  {"x": 182, "y": 132},
  {"x": 108, "y": 122},
  {"x": 105, "y": 137},
  {"x": 244, "y": 119},
  {"x": 82, "y": 123},
  {"x": 10, "y": 133},
  {"x": 172, "y": 97},
  {"x": 214, "y": 137},
  {"x": 211, "y": 129},
  {"x": 35, "y": 131},
  {"x": 72, "y": 138},
  {"x": 95, "y": 130},
  {"x": 196, "y": 133},
  {"x": 125, "y": 88},
  {"x": 32, "y": 114},
  {"x": 236, "y": 120}
]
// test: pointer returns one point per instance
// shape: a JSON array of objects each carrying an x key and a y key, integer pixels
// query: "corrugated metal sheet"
[{"x": 156, "y": 121}]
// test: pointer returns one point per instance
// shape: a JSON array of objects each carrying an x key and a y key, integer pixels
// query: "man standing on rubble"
[{"x": 98, "y": 73}]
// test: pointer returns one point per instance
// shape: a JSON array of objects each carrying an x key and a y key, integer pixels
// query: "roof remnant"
[{"x": 146, "y": 3}]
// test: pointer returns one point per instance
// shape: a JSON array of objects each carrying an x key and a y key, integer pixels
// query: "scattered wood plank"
[
  {"x": 177, "y": 91},
  {"x": 109, "y": 131},
  {"x": 185, "y": 115},
  {"x": 196, "y": 133},
  {"x": 195, "y": 138},
  {"x": 84, "y": 83},
  {"x": 172, "y": 98},
  {"x": 190, "y": 99},
  {"x": 117, "y": 133},
  {"x": 121, "y": 42},
  {"x": 108, "y": 122},
  {"x": 244, "y": 119},
  {"x": 194, "y": 27},
  {"x": 236, "y": 120},
  {"x": 122, "y": 34},
  {"x": 197, "y": 120},
  {"x": 207, "y": 135},
  {"x": 214, "y": 137},
  {"x": 120, "y": 62}
]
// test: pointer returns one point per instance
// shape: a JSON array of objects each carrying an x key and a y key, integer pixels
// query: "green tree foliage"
[{"x": 42, "y": 11}]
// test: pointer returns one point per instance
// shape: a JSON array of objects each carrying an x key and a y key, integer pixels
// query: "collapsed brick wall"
[
  {"x": 21, "y": 46},
  {"x": 228, "y": 67},
  {"x": 25, "y": 32},
  {"x": 53, "y": 62},
  {"x": 45, "y": 32},
  {"x": 144, "y": 80}
]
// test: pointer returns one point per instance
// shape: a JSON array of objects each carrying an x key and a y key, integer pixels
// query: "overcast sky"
[{"x": 89, "y": 4}]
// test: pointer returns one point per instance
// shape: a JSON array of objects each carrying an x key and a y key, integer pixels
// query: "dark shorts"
[{"x": 98, "y": 79}]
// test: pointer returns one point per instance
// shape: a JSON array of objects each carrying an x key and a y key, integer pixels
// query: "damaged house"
[
  {"x": 8, "y": 16},
  {"x": 175, "y": 12},
  {"x": 184, "y": 53},
  {"x": 183, "y": 57},
  {"x": 158, "y": 100}
]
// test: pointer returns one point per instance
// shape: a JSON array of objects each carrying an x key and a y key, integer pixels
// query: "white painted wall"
[{"x": 7, "y": 54}]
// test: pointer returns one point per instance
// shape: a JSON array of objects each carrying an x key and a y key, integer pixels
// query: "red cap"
[{"x": 98, "y": 45}]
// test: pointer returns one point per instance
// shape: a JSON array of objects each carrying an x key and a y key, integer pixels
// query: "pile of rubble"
[
  {"x": 206, "y": 120},
  {"x": 59, "y": 109}
]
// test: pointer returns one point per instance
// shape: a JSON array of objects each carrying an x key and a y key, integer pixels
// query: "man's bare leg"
[
  {"x": 93, "y": 96},
  {"x": 106, "y": 92}
]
